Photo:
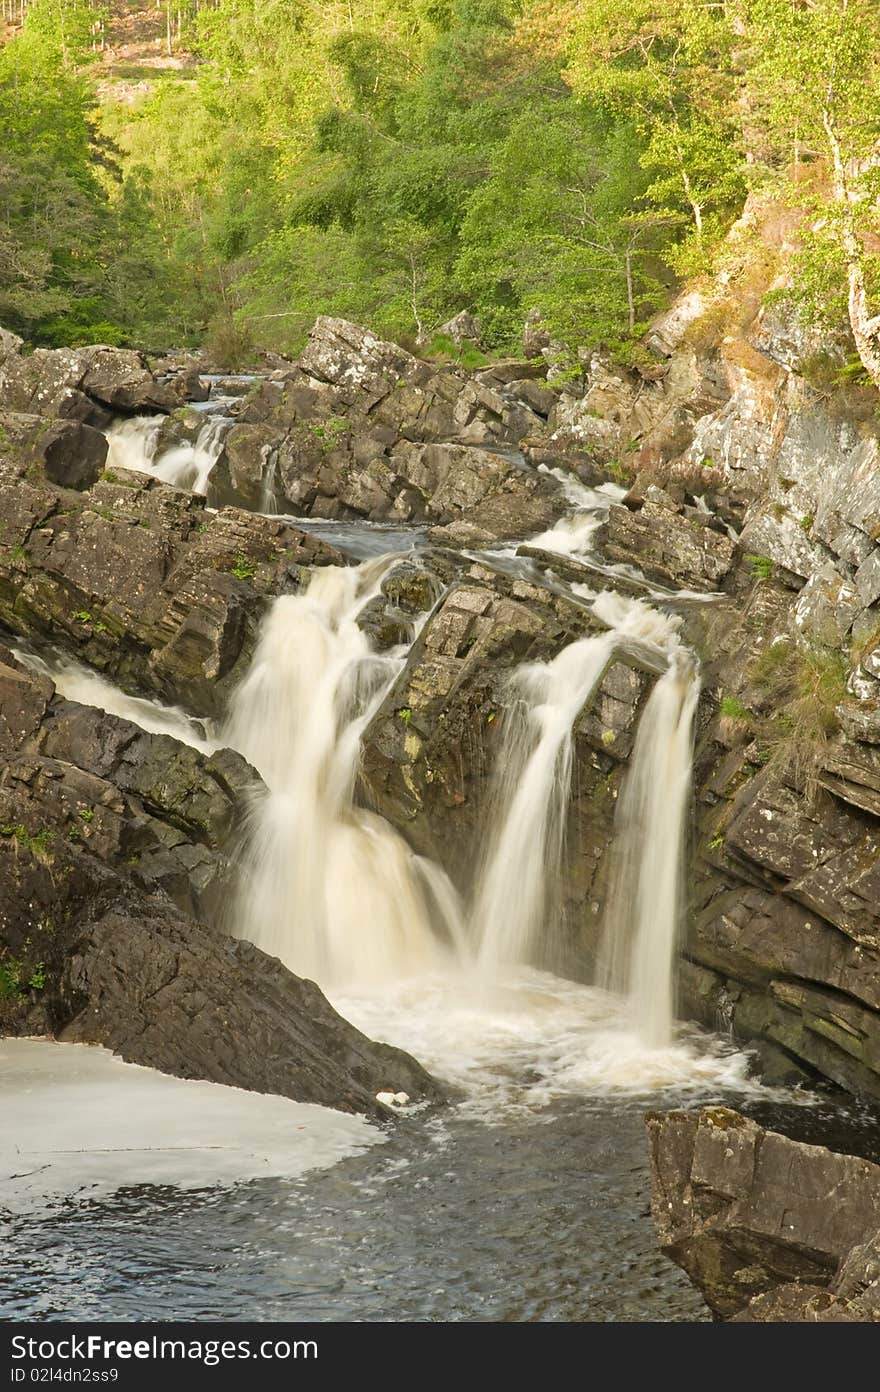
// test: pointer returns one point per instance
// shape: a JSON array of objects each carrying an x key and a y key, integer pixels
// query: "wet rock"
[
  {"x": 764, "y": 1226},
  {"x": 162, "y": 808},
  {"x": 141, "y": 582},
  {"x": 432, "y": 753},
  {"x": 669, "y": 547},
  {"x": 331, "y": 475},
  {"x": 332, "y": 434},
  {"x": 72, "y": 454}
]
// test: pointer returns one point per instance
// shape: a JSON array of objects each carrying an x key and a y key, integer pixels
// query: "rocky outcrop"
[
  {"x": 360, "y": 428},
  {"x": 140, "y": 581},
  {"x": 686, "y": 552},
  {"x": 113, "y": 849},
  {"x": 87, "y": 384},
  {"x": 161, "y": 808},
  {"x": 10, "y": 344},
  {"x": 766, "y": 1227},
  {"x": 67, "y": 452},
  {"x": 783, "y": 931}
]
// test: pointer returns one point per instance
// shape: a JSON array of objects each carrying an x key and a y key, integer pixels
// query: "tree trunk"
[{"x": 865, "y": 327}]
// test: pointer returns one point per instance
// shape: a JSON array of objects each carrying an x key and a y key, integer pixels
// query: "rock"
[
  {"x": 323, "y": 474},
  {"x": 535, "y": 395},
  {"x": 462, "y": 328},
  {"x": 10, "y": 345},
  {"x": 669, "y": 328},
  {"x": 536, "y": 337},
  {"x": 73, "y": 454},
  {"x": 141, "y": 582},
  {"x": 161, "y": 808},
  {"x": 668, "y": 547},
  {"x": 430, "y": 760},
  {"x": 860, "y": 720},
  {"x": 330, "y": 436},
  {"x": 83, "y": 384},
  {"x": 746, "y": 1213}
]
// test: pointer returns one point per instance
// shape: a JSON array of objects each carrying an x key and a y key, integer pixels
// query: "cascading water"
[
  {"x": 77, "y": 683},
  {"x": 510, "y": 909},
  {"x": 640, "y": 936},
  {"x": 329, "y": 888},
  {"x": 134, "y": 444}
]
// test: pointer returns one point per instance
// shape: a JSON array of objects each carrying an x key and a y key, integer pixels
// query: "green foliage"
[
  {"x": 734, "y": 709},
  {"x": 761, "y": 566},
  {"x": 39, "y": 845},
  {"x": 329, "y": 431},
  {"x": 17, "y": 978},
  {"x": 395, "y": 161},
  {"x": 230, "y": 344},
  {"x": 243, "y": 569}
]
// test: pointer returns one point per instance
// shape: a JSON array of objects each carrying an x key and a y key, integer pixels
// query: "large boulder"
[
  {"x": 88, "y": 384},
  {"x": 462, "y": 328},
  {"x": 331, "y": 436},
  {"x": 766, "y": 1227},
  {"x": 337, "y": 476},
  {"x": 433, "y": 753},
  {"x": 676, "y": 550},
  {"x": 10, "y": 345}
]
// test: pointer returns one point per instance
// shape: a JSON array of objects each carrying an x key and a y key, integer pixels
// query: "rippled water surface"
[{"x": 539, "y": 1218}]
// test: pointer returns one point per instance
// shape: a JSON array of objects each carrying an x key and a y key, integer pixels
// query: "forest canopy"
[{"x": 397, "y": 161}]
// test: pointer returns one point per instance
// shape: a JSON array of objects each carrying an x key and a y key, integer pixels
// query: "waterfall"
[
  {"x": 77, "y": 683},
  {"x": 513, "y": 911},
  {"x": 525, "y": 847},
  {"x": 329, "y": 888},
  {"x": 643, "y": 916},
  {"x": 134, "y": 444}
]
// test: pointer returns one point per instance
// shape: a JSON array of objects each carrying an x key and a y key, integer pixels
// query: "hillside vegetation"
[{"x": 228, "y": 170}]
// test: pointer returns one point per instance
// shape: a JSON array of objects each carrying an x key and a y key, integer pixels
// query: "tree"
[
  {"x": 666, "y": 65},
  {"x": 815, "y": 70}
]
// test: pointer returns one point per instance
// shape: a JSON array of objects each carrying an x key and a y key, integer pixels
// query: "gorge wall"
[{"x": 753, "y": 512}]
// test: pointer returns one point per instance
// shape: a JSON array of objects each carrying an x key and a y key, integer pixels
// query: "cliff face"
[{"x": 783, "y": 942}]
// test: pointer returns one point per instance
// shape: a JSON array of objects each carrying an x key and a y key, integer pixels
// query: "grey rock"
[{"x": 746, "y": 1212}]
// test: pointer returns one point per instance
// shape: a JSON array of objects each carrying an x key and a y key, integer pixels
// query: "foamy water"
[
  {"x": 516, "y": 1043},
  {"x": 80, "y": 1122},
  {"x": 134, "y": 444}
]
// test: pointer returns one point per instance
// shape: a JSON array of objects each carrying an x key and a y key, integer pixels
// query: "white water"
[
  {"x": 336, "y": 894},
  {"x": 88, "y": 688},
  {"x": 134, "y": 444},
  {"x": 528, "y": 819},
  {"x": 78, "y": 683},
  {"x": 574, "y": 534},
  {"x": 644, "y": 909},
  {"x": 330, "y": 889},
  {"x": 84, "y": 1123},
  {"x": 517, "y": 1041}
]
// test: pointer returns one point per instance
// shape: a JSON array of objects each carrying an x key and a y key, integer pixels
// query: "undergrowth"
[{"x": 801, "y": 688}]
